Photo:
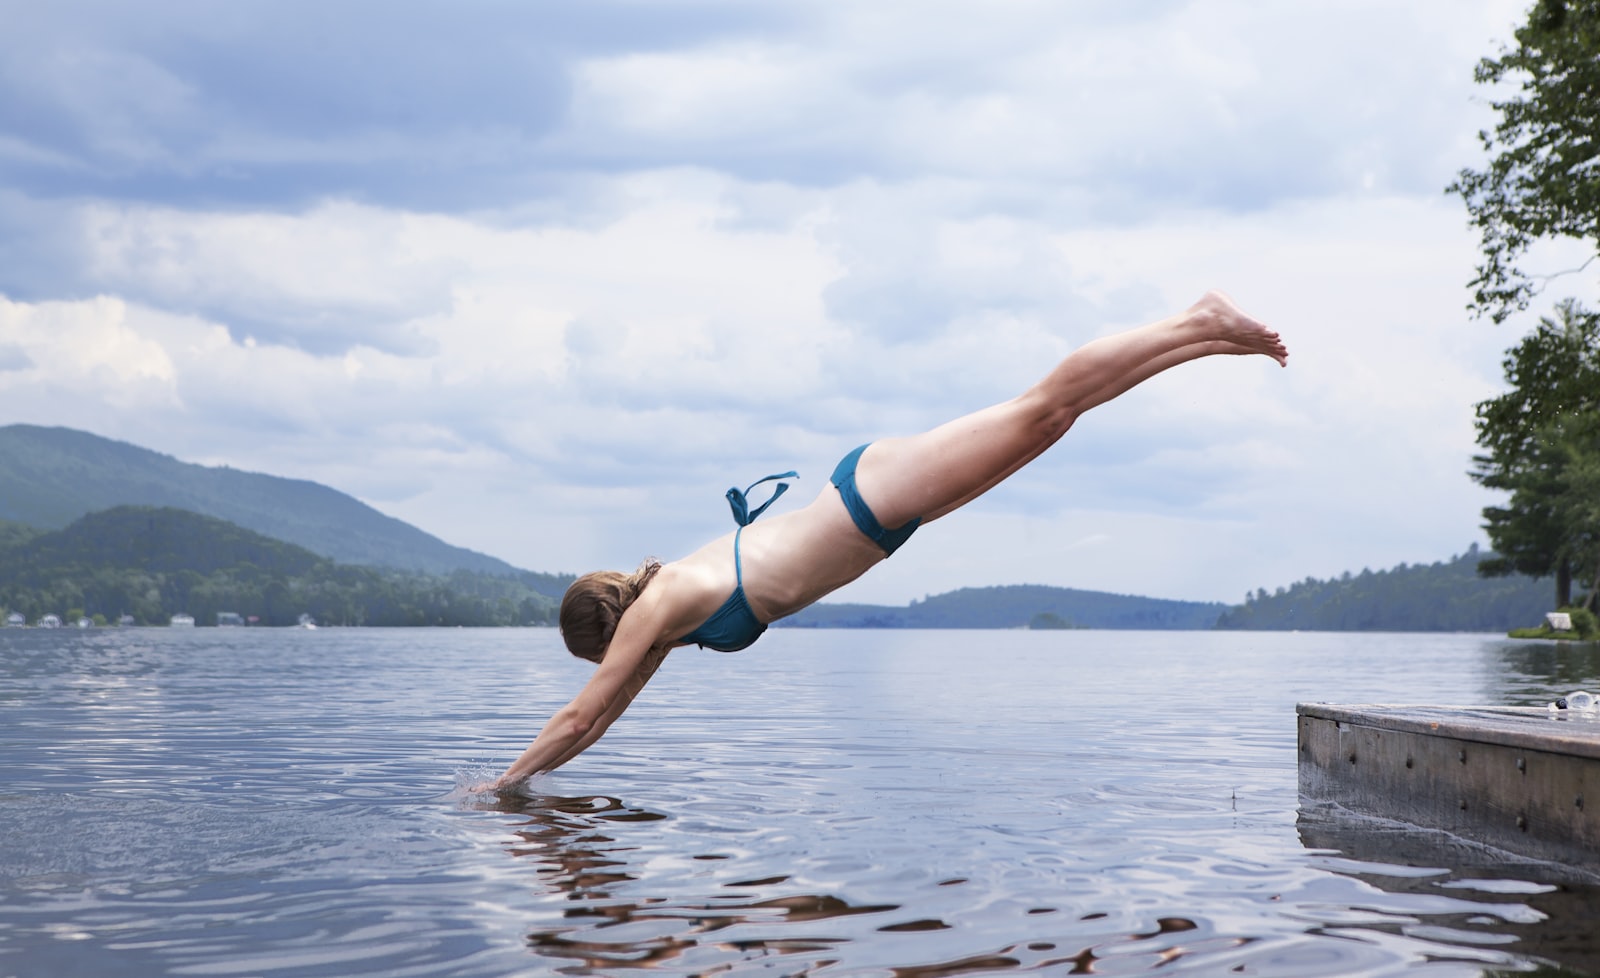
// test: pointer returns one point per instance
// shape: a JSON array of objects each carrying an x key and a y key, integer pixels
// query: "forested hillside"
[
  {"x": 52, "y": 476},
  {"x": 152, "y": 563},
  {"x": 1444, "y": 596},
  {"x": 14, "y": 533}
]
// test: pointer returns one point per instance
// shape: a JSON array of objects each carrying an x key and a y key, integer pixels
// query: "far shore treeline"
[
  {"x": 1447, "y": 596},
  {"x": 150, "y": 563}
]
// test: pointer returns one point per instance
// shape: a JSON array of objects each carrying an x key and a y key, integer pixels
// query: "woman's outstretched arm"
[
  {"x": 629, "y": 663},
  {"x": 630, "y": 690}
]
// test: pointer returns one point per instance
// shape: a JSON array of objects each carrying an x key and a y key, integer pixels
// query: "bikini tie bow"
[{"x": 740, "y": 504}]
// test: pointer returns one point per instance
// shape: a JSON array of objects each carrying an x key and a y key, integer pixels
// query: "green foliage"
[
  {"x": 1584, "y": 622},
  {"x": 1541, "y": 442},
  {"x": 1444, "y": 596},
  {"x": 1543, "y": 177},
  {"x": 1578, "y": 502},
  {"x": 12, "y": 534},
  {"x": 154, "y": 562},
  {"x": 1585, "y": 627}
]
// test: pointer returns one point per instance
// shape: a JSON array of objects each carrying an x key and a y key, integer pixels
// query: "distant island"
[
  {"x": 98, "y": 528},
  {"x": 1015, "y": 606}
]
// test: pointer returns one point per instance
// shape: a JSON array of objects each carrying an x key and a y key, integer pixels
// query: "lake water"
[{"x": 237, "y": 802}]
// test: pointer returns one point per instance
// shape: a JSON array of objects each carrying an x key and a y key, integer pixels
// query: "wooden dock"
[{"x": 1517, "y": 778}]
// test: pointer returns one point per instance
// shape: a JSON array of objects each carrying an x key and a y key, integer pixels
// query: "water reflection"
[
  {"x": 1444, "y": 888},
  {"x": 579, "y": 858},
  {"x": 1532, "y": 673}
]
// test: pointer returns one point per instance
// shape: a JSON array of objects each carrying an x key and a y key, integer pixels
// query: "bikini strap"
[
  {"x": 738, "y": 570},
  {"x": 742, "y": 514}
]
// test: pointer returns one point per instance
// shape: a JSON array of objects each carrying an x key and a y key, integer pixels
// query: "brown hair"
[{"x": 594, "y": 604}]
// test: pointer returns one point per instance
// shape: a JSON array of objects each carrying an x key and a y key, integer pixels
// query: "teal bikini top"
[{"x": 734, "y": 626}]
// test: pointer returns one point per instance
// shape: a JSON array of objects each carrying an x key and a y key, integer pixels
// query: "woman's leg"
[{"x": 931, "y": 474}]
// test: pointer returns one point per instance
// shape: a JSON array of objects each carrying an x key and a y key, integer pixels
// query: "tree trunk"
[{"x": 1564, "y": 583}]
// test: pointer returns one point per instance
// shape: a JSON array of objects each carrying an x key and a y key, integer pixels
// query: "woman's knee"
[{"x": 1046, "y": 418}]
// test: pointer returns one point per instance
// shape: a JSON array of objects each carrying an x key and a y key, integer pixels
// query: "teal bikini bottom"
[{"x": 844, "y": 476}]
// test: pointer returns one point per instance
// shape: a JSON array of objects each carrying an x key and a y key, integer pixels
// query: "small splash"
[
  {"x": 476, "y": 783},
  {"x": 474, "y": 779}
]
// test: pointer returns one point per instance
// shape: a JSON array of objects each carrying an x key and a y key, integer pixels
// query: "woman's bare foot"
[{"x": 1227, "y": 324}]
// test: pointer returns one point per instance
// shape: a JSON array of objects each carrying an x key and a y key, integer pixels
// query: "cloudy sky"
[{"x": 545, "y": 278}]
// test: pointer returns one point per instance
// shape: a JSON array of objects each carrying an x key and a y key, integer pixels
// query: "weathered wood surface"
[{"x": 1521, "y": 779}]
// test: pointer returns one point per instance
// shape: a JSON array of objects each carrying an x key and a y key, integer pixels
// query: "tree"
[
  {"x": 1578, "y": 504},
  {"x": 1541, "y": 444},
  {"x": 1543, "y": 178},
  {"x": 1542, "y": 182}
]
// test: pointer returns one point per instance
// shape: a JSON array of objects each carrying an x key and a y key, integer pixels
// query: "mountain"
[
  {"x": 1016, "y": 606},
  {"x": 151, "y": 563},
  {"x": 50, "y": 477}
]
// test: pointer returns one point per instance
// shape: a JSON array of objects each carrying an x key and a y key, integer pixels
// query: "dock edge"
[{"x": 1514, "y": 778}]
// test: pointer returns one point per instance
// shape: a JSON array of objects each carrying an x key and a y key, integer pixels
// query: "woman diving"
[{"x": 723, "y": 595}]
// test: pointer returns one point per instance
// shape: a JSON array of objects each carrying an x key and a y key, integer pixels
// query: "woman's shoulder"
[{"x": 685, "y": 593}]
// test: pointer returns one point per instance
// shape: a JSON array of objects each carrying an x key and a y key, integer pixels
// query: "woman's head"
[{"x": 594, "y": 604}]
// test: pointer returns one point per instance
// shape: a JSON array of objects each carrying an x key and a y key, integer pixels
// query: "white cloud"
[
  {"x": 95, "y": 353},
  {"x": 335, "y": 276}
]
